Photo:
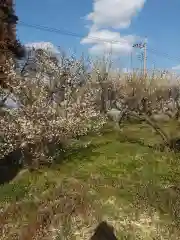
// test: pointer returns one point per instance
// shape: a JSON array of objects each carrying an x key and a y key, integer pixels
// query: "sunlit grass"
[{"x": 131, "y": 185}]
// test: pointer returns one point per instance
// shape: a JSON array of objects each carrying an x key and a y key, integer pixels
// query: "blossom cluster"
[{"x": 53, "y": 106}]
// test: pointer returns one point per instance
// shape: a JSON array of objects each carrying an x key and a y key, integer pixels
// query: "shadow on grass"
[
  {"x": 79, "y": 153},
  {"x": 10, "y": 166},
  {"x": 13, "y": 192},
  {"x": 104, "y": 231},
  {"x": 157, "y": 147}
]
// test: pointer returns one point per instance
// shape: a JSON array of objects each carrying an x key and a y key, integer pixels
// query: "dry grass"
[{"x": 128, "y": 184}]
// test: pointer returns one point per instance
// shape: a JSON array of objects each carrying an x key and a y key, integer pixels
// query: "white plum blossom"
[{"x": 49, "y": 112}]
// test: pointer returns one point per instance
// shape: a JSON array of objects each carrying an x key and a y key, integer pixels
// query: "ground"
[{"x": 117, "y": 177}]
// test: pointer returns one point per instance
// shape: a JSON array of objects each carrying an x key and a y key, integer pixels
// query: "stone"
[
  {"x": 114, "y": 114},
  {"x": 161, "y": 117}
]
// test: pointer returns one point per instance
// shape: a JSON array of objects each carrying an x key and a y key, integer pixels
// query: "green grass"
[{"x": 117, "y": 178}]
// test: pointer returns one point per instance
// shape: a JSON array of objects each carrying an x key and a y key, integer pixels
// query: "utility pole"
[
  {"x": 145, "y": 57},
  {"x": 144, "y": 47},
  {"x": 141, "y": 58},
  {"x": 131, "y": 63}
]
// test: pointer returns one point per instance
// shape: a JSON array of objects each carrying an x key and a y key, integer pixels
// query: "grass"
[{"x": 118, "y": 177}]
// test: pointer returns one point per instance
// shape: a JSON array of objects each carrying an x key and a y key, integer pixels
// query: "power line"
[
  {"x": 164, "y": 55},
  {"x": 65, "y": 32},
  {"x": 73, "y": 34}
]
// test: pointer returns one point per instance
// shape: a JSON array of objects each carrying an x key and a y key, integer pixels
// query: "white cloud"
[
  {"x": 48, "y": 46},
  {"x": 114, "y": 14},
  {"x": 101, "y": 41},
  {"x": 126, "y": 70},
  {"x": 176, "y": 67}
]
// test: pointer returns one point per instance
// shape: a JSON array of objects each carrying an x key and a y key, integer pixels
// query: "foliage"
[
  {"x": 53, "y": 106},
  {"x": 59, "y": 99},
  {"x": 146, "y": 99}
]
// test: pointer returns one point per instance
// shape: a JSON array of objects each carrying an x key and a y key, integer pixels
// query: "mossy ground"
[{"x": 118, "y": 177}]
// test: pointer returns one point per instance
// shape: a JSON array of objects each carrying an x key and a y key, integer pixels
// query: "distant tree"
[{"x": 10, "y": 47}]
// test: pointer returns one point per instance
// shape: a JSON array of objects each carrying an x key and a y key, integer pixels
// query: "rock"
[
  {"x": 171, "y": 106},
  {"x": 171, "y": 114},
  {"x": 161, "y": 117},
  {"x": 114, "y": 115}
]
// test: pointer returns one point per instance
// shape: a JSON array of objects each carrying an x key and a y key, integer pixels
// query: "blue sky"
[{"x": 124, "y": 21}]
